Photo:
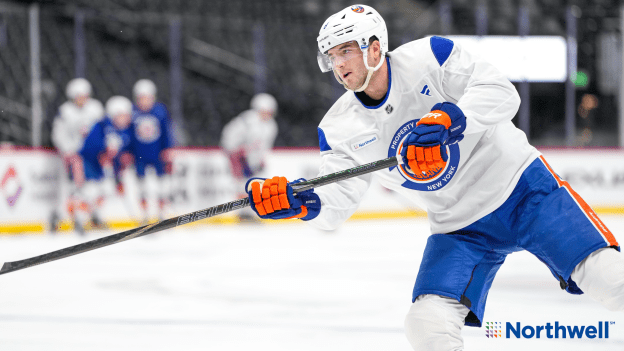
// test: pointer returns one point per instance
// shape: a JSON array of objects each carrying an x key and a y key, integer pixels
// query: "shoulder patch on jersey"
[
  {"x": 323, "y": 141},
  {"x": 441, "y": 48},
  {"x": 369, "y": 139}
]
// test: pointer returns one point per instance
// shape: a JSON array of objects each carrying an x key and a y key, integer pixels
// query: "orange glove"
[
  {"x": 423, "y": 159},
  {"x": 425, "y": 149},
  {"x": 274, "y": 199}
]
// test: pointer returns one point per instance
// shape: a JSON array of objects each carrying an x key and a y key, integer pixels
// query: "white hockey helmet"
[
  {"x": 117, "y": 105},
  {"x": 78, "y": 87},
  {"x": 264, "y": 102},
  {"x": 144, "y": 87},
  {"x": 355, "y": 23}
]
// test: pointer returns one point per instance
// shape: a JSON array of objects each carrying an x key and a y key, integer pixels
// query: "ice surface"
[{"x": 263, "y": 287}]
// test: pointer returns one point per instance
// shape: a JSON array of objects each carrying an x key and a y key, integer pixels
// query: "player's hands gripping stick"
[
  {"x": 274, "y": 198},
  {"x": 425, "y": 148}
]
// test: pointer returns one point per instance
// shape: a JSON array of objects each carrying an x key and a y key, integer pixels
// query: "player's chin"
[{"x": 354, "y": 84}]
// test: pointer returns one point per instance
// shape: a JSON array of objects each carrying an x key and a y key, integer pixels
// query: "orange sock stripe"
[{"x": 591, "y": 215}]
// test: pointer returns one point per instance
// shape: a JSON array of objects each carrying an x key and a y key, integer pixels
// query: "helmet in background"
[
  {"x": 78, "y": 87},
  {"x": 263, "y": 102},
  {"x": 144, "y": 87},
  {"x": 118, "y": 105}
]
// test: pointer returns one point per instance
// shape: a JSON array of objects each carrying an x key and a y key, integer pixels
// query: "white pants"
[
  {"x": 87, "y": 200},
  {"x": 434, "y": 322}
]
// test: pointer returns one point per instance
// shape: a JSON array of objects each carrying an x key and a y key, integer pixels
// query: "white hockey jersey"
[
  {"x": 73, "y": 124},
  {"x": 248, "y": 132},
  {"x": 482, "y": 169}
]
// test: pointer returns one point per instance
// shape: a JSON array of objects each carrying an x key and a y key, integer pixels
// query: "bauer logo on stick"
[{"x": 424, "y": 181}]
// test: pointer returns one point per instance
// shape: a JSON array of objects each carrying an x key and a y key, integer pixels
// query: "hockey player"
[
  {"x": 446, "y": 113},
  {"x": 119, "y": 134},
  {"x": 248, "y": 138},
  {"x": 151, "y": 125},
  {"x": 75, "y": 135}
]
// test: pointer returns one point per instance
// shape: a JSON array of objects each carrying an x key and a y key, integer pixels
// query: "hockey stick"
[{"x": 190, "y": 217}]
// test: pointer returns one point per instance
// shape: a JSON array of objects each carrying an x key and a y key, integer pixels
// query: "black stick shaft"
[{"x": 189, "y": 217}]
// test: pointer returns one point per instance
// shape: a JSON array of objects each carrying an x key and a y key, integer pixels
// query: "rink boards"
[{"x": 34, "y": 186}]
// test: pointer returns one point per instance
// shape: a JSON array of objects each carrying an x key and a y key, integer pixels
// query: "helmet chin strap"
[{"x": 371, "y": 70}]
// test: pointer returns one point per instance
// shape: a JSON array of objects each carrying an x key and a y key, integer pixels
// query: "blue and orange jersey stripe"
[{"x": 587, "y": 210}]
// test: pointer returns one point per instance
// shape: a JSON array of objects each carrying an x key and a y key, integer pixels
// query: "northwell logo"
[
  {"x": 365, "y": 142},
  {"x": 493, "y": 329},
  {"x": 549, "y": 331}
]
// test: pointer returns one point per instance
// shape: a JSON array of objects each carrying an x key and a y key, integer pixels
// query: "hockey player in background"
[
  {"x": 152, "y": 140},
  {"x": 76, "y": 135},
  {"x": 446, "y": 114},
  {"x": 119, "y": 137},
  {"x": 248, "y": 138}
]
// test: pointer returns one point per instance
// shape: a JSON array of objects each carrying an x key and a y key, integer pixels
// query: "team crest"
[
  {"x": 357, "y": 9},
  {"x": 423, "y": 181},
  {"x": 147, "y": 128}
]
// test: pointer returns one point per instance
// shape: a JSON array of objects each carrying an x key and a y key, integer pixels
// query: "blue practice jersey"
[
  {"x": 94, "y": 145},
  {"x": 151, "y": 132},
  {"x": 120, "y": 139}
]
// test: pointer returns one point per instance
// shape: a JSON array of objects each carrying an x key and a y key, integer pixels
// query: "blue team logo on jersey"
[
  {"x": 425, "y": 181},
  {"x": 147, "y": 129}
]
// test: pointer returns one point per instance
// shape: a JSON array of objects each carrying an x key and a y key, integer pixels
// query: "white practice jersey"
[
  {"x": 249, "y": 133},
  {"x": 482, "y": 169},
  {"x": 73, "y": 124}
]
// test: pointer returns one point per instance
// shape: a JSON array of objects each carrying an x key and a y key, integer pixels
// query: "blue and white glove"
[
  {"x": 425, "y": 148},
  {"x": 274, "y": 198}
]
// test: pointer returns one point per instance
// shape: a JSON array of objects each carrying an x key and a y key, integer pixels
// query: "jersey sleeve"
[
  {"x": 166, "y": 138},
  {"x": 272, "y": 135},
  {"x": 65, "y": 137},
  {"x": 98, "y": 110},
  {"x": 95, "y": 142},
  {"x": 341, "y": 199},
  {"x": 233, "y": 135},
  {"x": 483, "y": 93}
]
